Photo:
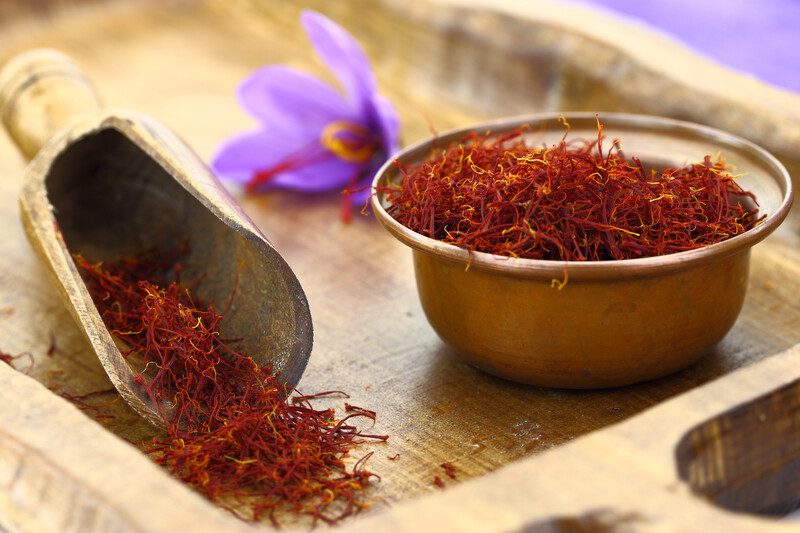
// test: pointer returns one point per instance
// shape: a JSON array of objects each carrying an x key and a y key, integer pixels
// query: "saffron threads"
[
  {"x": 51, "y": 349},
  {"x": 568, "y": 202},
  {"x": 354, "y": 408},
  {"x": 9, "y": 360},
  {"x": 95, "y": 409},
  {"x": 233, "y": 433},
  {"x": 326, "y": 394},
  {"x": 438, "y": 482},
  {"x": 449, "y": 470}
]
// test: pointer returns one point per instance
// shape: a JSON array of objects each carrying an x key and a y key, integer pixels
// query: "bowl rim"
[{"x": 586, "y": 270}]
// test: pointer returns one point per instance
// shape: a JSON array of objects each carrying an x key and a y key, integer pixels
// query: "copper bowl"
[{"x": 615, "y": 322}]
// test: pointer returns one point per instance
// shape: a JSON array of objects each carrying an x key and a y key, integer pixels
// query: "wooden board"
[{"x": 456, "y": 64}]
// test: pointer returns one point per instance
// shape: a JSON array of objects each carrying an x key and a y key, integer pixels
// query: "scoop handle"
[{"x": 43, "y": 92}]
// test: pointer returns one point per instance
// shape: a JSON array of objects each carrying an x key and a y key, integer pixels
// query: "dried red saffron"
[
  {"x": 438, "y": 482},
  {"x": 354, "y": 408},
  {"x": 96, "y": 409},
  {"x": 567, "y": 202},
  {"x": 52, "y": 348},
  {"x": 9, "y": 360},
  {"x": 233, "y": 434},
  {"x": 449, "y": 469}
]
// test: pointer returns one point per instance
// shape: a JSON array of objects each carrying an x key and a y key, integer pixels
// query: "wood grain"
[{"x": 455, "y": 64}]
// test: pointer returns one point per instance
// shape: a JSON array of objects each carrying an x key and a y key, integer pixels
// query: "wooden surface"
[{"x": 180, "y": 63}]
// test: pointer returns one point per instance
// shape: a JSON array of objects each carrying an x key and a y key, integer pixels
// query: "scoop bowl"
[{"x": 111, "y": 182}]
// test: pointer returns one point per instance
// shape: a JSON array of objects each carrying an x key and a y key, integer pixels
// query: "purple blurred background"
[{"x": 756, "y": 37}]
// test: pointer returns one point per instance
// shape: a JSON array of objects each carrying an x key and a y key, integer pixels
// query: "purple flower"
[{"x": 313, "y": 138}]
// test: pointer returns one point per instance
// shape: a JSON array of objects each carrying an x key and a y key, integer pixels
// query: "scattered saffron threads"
[
  {"x": 96, "y": 409},
  {"x": 9, "y": 360},
  {"x": 318, "y": 395},
  {"x": 354, "y": 408},
  {"x": 51, "y": 349},
  {"x": 59, "y": 235},
  {"x": 233, "y": 434},
  {"x": 393, "y": 457},
  {"x": 449, "y": 470},
  {"x": 568, "y": 202},
  {"x": 438, "y": 482}
]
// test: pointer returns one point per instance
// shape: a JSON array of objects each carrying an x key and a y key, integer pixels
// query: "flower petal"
[
  {"x": 298, "y": 164},
  {"x": 343, "y": 56},
  {"x": 242, "y": 155},
  {"x": 283, "y": 97},
  {"x": 388, "y": 124},
  {"x": 329, "y": 174}
]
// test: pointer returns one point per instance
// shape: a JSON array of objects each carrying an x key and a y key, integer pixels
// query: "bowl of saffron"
[{"x": 582, "y": 252}]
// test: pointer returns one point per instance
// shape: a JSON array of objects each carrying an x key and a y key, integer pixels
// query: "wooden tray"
[{"x": 715, "y": 448}]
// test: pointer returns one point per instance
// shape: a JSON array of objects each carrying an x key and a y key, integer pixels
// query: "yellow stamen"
[{"x": 350, "y": 142}]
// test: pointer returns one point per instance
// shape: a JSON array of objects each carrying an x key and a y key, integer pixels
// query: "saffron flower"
[{"x": 311, "y": 137}]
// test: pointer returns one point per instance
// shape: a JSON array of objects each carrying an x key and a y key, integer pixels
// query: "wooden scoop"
[{"x": 111, "y": 182}]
